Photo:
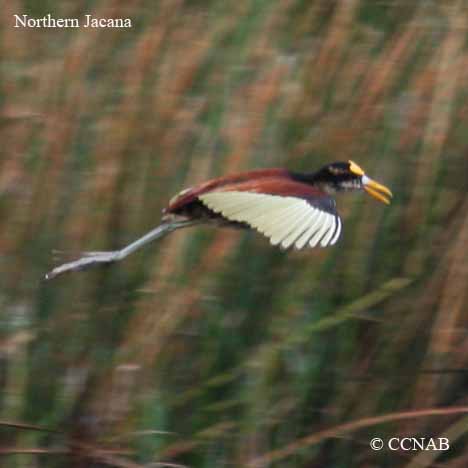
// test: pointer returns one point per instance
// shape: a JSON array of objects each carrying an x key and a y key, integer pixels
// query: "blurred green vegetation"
[{"x": 211, "y": 348}]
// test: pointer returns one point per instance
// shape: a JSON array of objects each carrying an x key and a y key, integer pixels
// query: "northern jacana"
[{"x": 291, "y": 209}]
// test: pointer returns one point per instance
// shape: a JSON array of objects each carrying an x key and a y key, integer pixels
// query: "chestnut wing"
[
  {"x": 308, "y": 220},
  {"x": 242, "y": 181}
]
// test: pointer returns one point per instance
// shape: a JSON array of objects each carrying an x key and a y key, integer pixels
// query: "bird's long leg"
[{"x": 90, "y": 259}]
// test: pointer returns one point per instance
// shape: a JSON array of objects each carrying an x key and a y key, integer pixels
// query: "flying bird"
[{"x": 289, "y": 208}]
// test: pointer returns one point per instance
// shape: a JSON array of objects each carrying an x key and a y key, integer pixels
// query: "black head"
[{"x": 341, "y": 176}]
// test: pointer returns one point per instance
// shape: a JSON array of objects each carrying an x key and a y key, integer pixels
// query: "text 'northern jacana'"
[{"x": 289, "y": 208}]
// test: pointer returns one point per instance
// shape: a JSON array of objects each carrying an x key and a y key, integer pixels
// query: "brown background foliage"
[{"x": 211, "y": 348}]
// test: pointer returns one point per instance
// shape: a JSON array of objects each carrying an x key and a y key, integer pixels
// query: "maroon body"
[
  {"x": 275, "y": 181},
  {"x": 288, "y": 208}
]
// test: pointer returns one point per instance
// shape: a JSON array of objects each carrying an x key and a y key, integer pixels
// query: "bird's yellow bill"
[
  {"x": 378, "y": 191},
  {"x": 355, "y": 169}
]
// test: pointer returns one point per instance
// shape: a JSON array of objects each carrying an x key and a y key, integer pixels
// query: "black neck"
[{"x": 307, "y": 178}]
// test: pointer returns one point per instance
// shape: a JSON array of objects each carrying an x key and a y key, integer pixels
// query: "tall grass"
[{"x": 211, "y": 348}]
